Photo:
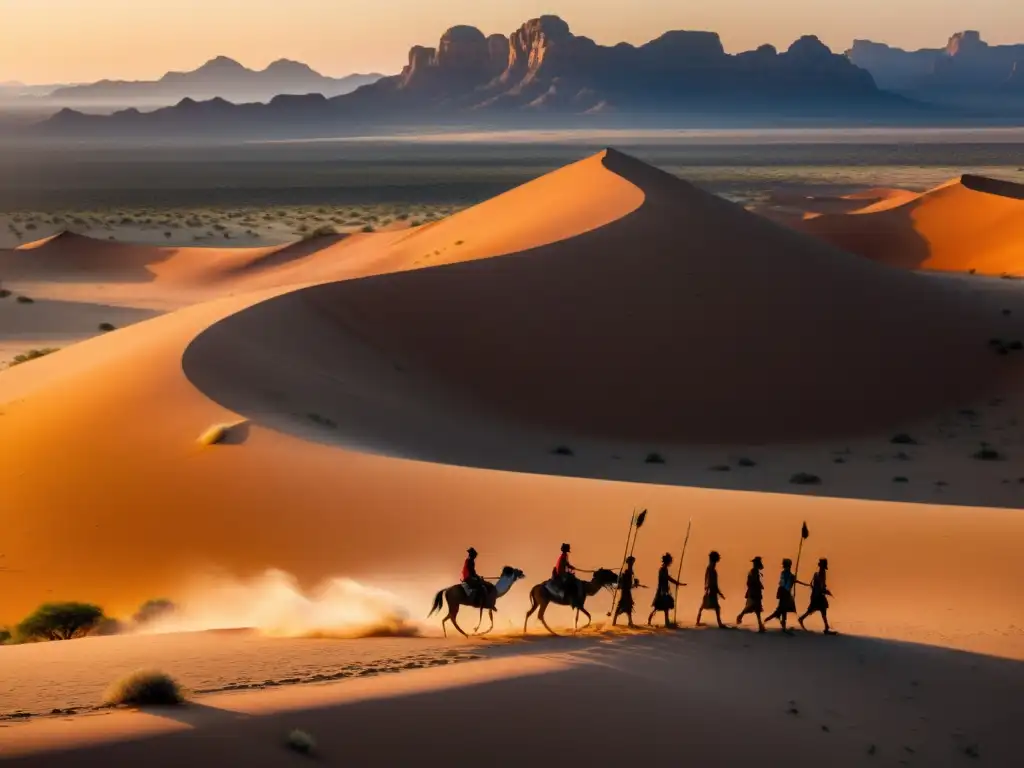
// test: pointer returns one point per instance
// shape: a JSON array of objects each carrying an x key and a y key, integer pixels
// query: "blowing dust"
[{"x": 274, "y": 604}]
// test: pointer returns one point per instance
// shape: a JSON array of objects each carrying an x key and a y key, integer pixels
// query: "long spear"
[
  {"x": 804, "y": 533},
  {"x": 679, "y": 574},
  {"x": 625, "y": 554},
  {"x": 636, "y": 520}
]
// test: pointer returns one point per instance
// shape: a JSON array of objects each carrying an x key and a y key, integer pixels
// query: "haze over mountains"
[
  {"x": 967, "y": 71},
  {"x": 220, "y": 77},
  {"x": 541, "y": 69}
]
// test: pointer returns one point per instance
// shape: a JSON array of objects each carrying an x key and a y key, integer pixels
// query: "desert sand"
[
  {"x": 522, "y": 373},
  {"x": 970, "y": 224}
]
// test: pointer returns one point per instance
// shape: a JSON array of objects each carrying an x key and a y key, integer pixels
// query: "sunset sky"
[{"x": 43, "y": 41}]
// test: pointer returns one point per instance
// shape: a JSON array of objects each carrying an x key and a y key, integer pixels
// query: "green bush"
[
  {"x": 60, "y": 621},
  {"x": 5, "y": 636}
]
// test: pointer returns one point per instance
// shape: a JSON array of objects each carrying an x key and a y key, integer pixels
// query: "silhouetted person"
[
  {"x": 787, "y": 580},
  {"x": 819, "y": 597},
  {"x": 564, "y": 574},
  {"x": 471, "y": 581},
  {"x": 627, "y": 581},
  {"x": 663, "y": 600},
  {"x": 755, "y": 595},
  {"x": 711, "y": 591}
]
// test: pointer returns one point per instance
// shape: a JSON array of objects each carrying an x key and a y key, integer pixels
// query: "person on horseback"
[
  {"x": 471, "y": 581},
  {"x": 564, "y": 576}
]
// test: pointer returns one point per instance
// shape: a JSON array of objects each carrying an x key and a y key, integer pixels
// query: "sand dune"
[{"x": 969, "y": 224}]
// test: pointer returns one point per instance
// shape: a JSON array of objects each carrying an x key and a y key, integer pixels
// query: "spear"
[
  {"x": 679, "y": 574},
  {"x": 804, "y": 533},
  {"x": 634, "y": 521}
]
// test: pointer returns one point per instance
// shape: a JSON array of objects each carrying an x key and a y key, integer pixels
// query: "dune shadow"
[{"x": 846, "y": 698}]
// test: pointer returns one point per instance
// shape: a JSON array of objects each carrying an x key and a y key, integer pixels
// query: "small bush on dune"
[
  {"x": 563, "y": 450},
  {"x": 25, "y": 300},
  {"x": 987, "y": 453},
  {"x": 368, "y": 228},
  {"x": 323, "y": 231},
  {"x": 805, "y": 478},
  {"x": 5, "y": 636},
  {"x": 301, "y": 742},
  {"x": 654, "y": 458},
  {"x": 4, "y": 293},
  {"x": 32, "y": 354},
  {"x": 60, "y": 621},
  {"x": 903, "y": 439},
  {"x": 107, "y": 327},
  {"x": 145, "y": 688}
]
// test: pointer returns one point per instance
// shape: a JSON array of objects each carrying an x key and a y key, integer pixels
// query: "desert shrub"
[
  {"x": 26, "y": 300},
  {"x": 153, "y": 609},
  {"x": 107, "y": 626},
  {"x": 31, "y": 226},
  {"x": 5, "y": 636},
  {"x": 368, "y": 228},
  {"x": 415, "y": 223},
  {"x": 323, "y": 421},
  {"x": 805, "y": 478},
  {"x": 900, "y": 479},
  {"x": 301, "y": 742},
  {"x": 721, "y": 468},
  {"x": 903, "y": 439},
  {"x": 563, "y": 450},
  {"x": 60, "y": 621},
  {"x": 167, "y": 235},
  {"x": 987, "y": 453},
  {"x": 32, "y": 354},
  {"x": 325, "y": 230},
  {"x": 402, "y": 216},
  {"x": 745, "y": 462},
  {"x": 654, "y": 458},
  {"x": 107, "y": 327},
  {"x": 4, "y": 293},
  {"x": 145, "y": 688}
]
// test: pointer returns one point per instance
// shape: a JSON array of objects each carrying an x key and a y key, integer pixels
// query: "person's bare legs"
[
  {"x": 760, "y": 624},
  {"x": 718, "y": 615},
  {"x": 699, "y": 613},
  {"x": 824, "y": 617}
]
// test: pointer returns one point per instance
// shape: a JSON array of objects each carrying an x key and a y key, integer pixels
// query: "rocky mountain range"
[
  {"x": 967, "y": 71},
  {"x": 218, "y": 78},
  {"x": 541, "y": 69}
]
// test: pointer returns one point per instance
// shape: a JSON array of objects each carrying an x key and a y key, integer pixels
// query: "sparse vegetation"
[
  {"x": 32, "y": 354},
  {"x": 301, "y": 742},
  {"x": 60, "y": 621},
  {"x": 323, "y": 421},
  {"x": 745, "y": 462},
  {"x": 107, "y": 327},
  {"x": 4, "y": 293},
  {"x": 25, "y": 300},
  {"x": 721, "y": 468},
  {"x": 805, "y": 478},
  {"x": 563, "y": 450},
  {"x": 903, "y": 439},
  {"x": 145, "y": 688},
  {"x": 368, "y": 228},
  {"x": 900, "y": 479},
  {"x": 654, "y": 458},
  {"x": 988, "y": 453}
]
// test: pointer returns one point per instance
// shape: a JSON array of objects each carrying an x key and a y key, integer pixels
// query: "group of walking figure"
[
  {"x": 566, "y": 588},
  {"x": 664, "y": 600}
]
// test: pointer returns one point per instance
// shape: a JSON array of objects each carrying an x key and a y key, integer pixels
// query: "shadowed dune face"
[
  {"x": 686, "y": 319},
  {"x": 973, "y": 223}
]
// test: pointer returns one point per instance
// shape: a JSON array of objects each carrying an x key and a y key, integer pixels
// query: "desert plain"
[{"x": 512, "y": 375}]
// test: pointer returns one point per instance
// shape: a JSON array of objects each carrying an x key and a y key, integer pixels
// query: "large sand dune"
[
  {"x": 650, "y": 317},
  {"x": 968, "y": 224}
]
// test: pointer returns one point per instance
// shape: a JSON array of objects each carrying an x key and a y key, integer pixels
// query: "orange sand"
[{"x": 606, "y": 307}]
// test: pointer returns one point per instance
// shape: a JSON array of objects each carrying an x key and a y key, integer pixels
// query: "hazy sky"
[{"x": 44, "y": 41}]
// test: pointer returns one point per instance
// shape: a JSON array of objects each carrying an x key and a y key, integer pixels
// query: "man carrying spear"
[
  {"x": 627, "y": 583},
  {"x": 819, "y": 597},
  {"x": 635, "y": 523},
  {"x": 663, "y": 600}
]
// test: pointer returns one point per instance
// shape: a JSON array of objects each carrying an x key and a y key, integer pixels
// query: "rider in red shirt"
[{"x": 563, "y": 574}]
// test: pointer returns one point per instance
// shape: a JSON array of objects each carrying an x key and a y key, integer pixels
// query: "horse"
[
  {"x": 540, "y": 597},
  {"x": 455, "y": 596}
]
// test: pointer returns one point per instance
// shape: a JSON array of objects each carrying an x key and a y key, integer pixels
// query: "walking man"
[
  {"x": 711, "y": 591},
  {"x": 819, "y": 597},
  {"x": 663, "y": 600},
  {"x": 755, "y": 594}
]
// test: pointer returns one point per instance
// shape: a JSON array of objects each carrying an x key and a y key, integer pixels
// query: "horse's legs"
[
  {"x": 540, "y": 616},
  {"x": 443, "y": 622}
]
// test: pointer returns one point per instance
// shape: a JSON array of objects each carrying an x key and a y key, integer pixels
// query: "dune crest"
[{"x": 971, "y": 223}]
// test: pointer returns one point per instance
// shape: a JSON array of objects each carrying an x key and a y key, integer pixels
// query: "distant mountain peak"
[{"x": 222, "y": 63}]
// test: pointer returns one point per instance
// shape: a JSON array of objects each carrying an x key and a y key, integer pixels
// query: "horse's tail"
[{"x": 438, "y": 603}]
